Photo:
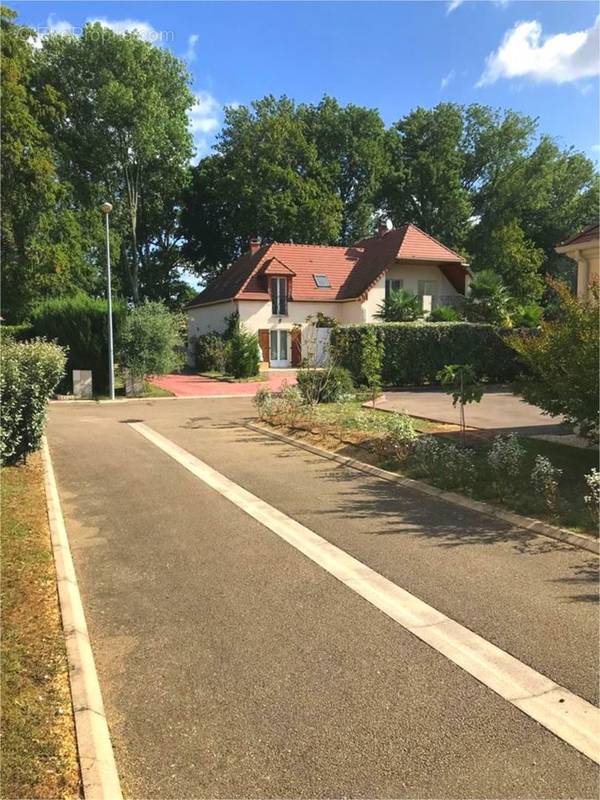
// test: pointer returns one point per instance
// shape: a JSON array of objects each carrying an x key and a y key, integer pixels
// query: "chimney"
[
  {"x": 382, "y": 227},
  {"x": 254, "y": 245}
]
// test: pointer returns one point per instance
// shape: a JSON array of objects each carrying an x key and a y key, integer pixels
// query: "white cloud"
[
  {"x": 142, "y": 28},
  {"x": 190, "y": 53},
  {"x": 205, "y": 117},
  {"x": 453, "y": 5},
  {"x": 561, "y": 58},
  {"x": 447, "y": 79},
  {"x": 205, "y": 114}
]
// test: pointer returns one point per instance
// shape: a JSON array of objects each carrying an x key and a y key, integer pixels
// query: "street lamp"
[{"x": 106, "y": 208}]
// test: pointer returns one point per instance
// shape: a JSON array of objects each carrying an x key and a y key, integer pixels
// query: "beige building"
[
  {"x": 584, "y": 248},
  {"x": 279, "y": 289}
]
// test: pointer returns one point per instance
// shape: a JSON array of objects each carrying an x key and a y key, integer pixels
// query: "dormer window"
[
  {"x": 279, "y": 296},
  {"x": 322, "y": 281}
]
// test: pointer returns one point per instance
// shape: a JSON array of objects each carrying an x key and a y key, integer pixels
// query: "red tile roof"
[
  {"x": 589, "y": 234},
  {"x": 351, "y": 270}
]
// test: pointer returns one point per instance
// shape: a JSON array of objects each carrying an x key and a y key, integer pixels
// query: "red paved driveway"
[{"x": 197, "y": 386}]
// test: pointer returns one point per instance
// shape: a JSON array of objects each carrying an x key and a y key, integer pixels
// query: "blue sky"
[{"x": 540, "y": 58}]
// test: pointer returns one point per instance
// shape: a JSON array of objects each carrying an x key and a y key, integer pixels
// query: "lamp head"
[{"x": 106, "y": 208}]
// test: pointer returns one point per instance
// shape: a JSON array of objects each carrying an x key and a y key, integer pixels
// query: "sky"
[{"x": 540, "y": 58}]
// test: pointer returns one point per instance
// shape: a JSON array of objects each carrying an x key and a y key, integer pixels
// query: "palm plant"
[
  {"x": 489, "y": 299},
  {"x": 400, "y": 306}
]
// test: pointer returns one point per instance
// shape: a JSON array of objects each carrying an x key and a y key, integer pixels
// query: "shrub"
[
  {"x": 324, "y": 386},
  {"x": 563, "y": 362},
  {"x": 371, "y": 354},
  {"x": 528, "y": 315},
  {"x": 544, "y": 480},
  {"x": 400, "y": 306},
  {"x": 489, "y": 299},
  {"x": 151, "y": 340},
  {"x": 210, "y": 353},
  {"x": 444, "y": 463},
  {"x": 29, "y": 373},
  {"x": 80, "y": 323},
  {"x": 400, "y": 436},
  {"x": 445, "y": 314},
  {"x": 242, "y": 354},
  {"x": 505, "y": 460},
  {"x": 592, "y": 500},
  {"x": 414, "y": 352}
]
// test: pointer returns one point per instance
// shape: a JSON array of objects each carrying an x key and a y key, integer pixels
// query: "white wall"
[
  {"x": 411, "y": 274},
  {"x": 209, "y": 318}
]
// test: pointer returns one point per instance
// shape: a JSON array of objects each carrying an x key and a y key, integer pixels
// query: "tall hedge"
[
  {"x": 29, "y": 372},
  {"x": 413, "y": 352},
  {"x": 80, "y": 323}
]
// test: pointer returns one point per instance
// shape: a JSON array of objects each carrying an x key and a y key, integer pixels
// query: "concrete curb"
[
  {"x": 96, "y": 758},
  {"x": 527, "y": 523}
]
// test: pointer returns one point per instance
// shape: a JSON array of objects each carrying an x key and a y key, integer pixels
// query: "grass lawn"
[
  {"x": 222, "y": 376},
  {"x": 39, "y": 757},
  {"x": 354, "y": 425}
]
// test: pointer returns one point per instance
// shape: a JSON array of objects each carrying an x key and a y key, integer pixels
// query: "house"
[
  {"x": 277, "y": 287},
  {"x": 584, "y": 248}
]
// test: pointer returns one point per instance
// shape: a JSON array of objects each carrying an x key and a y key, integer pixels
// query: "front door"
[{"x": 280, "y": 349}]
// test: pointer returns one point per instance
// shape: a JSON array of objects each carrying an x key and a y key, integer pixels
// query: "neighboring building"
[
  {"x": 584, "y": 248},
  {"x": 276, "y": 287}
]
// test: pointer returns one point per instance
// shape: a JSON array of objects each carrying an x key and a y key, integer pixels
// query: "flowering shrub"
[
  {"x": 592, "y": 500},
  {"x": 544, "y": 480},
  {"x": 505, "y": 460}
]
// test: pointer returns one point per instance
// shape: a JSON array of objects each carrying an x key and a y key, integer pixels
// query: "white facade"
[{"x": 257, "y": 315}]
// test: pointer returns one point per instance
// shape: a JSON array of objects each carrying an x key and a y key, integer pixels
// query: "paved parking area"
[
  {"x": 498, "y": 410},
  {"x": 232, "y": 666},
  {"x": 187, "y": 385}
]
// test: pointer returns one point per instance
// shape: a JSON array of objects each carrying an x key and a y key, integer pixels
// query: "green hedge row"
[
  {"x": 80, "y": 324},
  {"x": 413, "y": 352}
]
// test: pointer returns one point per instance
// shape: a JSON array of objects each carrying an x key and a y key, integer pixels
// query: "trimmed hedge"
[
  {"x": 20, "y": 332},
  {"x": 29, "y": 372},
  {"x": 81, "y": 324},
  {"x": 414, "y": 352}
]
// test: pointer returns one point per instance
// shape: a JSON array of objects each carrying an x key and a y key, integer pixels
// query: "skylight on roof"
[{"x": 322, "y": 281}]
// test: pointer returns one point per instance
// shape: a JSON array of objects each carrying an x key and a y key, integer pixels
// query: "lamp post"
[{"x": 106, "y": 208}]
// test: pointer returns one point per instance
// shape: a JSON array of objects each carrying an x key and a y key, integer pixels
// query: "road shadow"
[{"x": 403, "y": 511}]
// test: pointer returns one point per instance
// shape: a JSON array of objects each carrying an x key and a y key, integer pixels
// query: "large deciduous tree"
[
  {"x": 283, "y": 172},
  {"x": 45, "y": 239},
  {"x": 122, "y": 133}
]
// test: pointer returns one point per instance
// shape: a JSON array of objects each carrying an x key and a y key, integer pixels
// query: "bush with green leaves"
[
  {"x": 242, "y": 354},
  {"x": 506, "y": 462},
  {"x": 527, "y": 315},
  {"x": 80, "y": 323},
  {"x": 151, "y": 340},
  {"x": 210, "y": 352},
  {"x": 21, "y": 332},
  {"x": 400, "y": 436},
  {"x": 414, "y": 352},
  {"x": 325, "y": 385},
  {"x": 592, "y": 500},
  {"x": 489, "y": 300},
  {"x": 29, "y": 373},
  {"x": 544, "y": 481},
  {"x": 444, "y": 463},
  {"x": 563, "y": 362},
  {"x": 445, "y": 314},
  {"x": 400, "y": 306},
  {"x": 371, "y": 354}
]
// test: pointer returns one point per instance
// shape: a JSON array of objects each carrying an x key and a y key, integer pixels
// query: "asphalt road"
[{"x": 234, "y": 667}]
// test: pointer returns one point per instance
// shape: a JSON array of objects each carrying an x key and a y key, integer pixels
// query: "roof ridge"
[{"x": 325, "y": 246}]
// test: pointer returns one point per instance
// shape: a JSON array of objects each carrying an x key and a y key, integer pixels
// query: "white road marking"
[{"x": 568, "y": 716}]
